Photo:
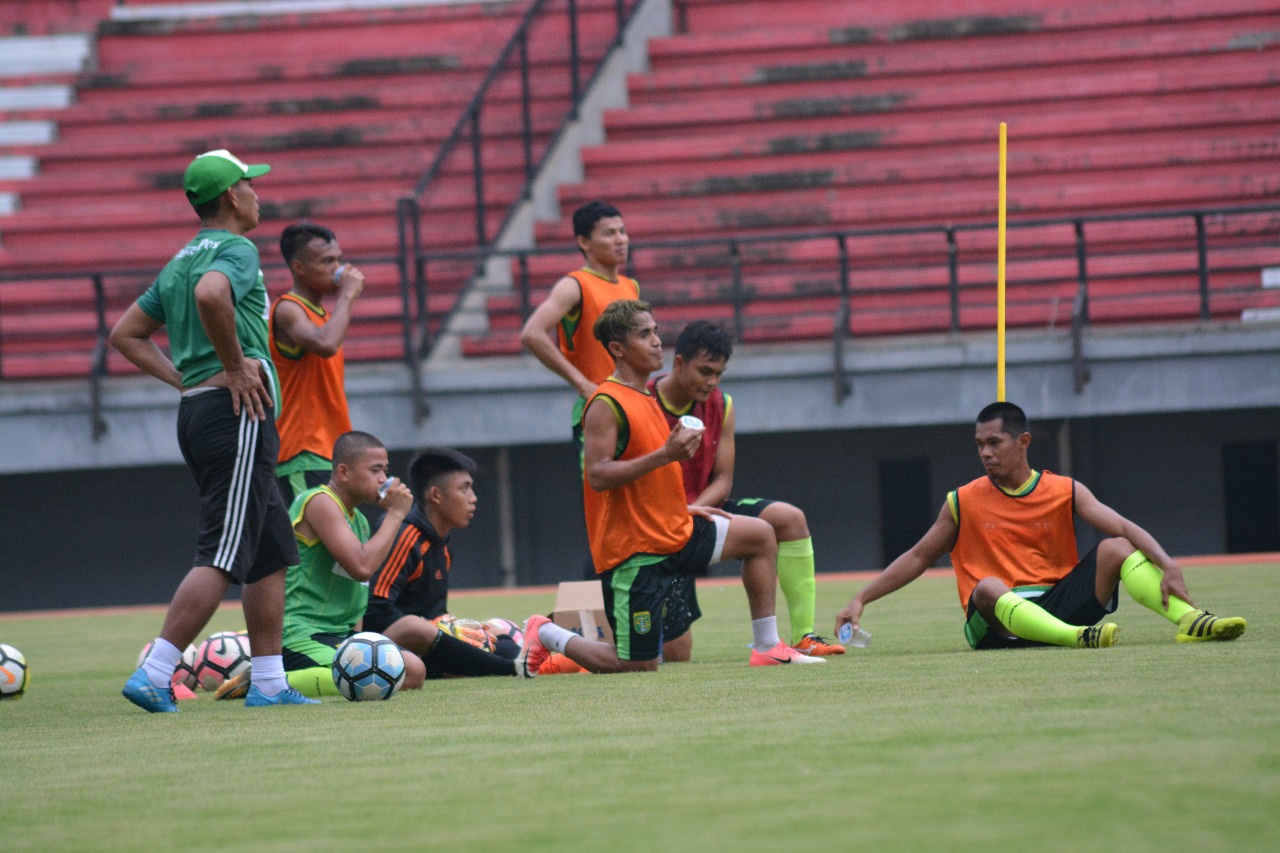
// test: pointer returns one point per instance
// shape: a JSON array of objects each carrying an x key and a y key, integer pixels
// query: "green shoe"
[
  {"x": 1102, "y": 636},
  {"x": 1200, "y": 625}
]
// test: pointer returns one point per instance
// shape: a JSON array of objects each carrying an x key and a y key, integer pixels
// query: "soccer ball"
[
  {"x": 223, "y": 655},
  {"x": 499, "y": 626},
  {"x": 13, "y": 672},
  {"x": 368, "y": 666},
  {"x": 185, "y": 673}
]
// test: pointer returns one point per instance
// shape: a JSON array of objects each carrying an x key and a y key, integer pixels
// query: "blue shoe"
[
  {"x": 257, "y": 699},
  {"x": 139, "y": 691}
]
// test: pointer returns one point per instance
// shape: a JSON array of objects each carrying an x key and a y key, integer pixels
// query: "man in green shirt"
[
  {"x": 326, "y": 592},
  {"x": 211, "y": 299}
]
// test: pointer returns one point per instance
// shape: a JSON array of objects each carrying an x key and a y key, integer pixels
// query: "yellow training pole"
[{"x": 1000, "y": 268}]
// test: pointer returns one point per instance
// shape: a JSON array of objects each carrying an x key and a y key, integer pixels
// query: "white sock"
[
  {"x": 268, "y": 674},
  {"x": 764, "y": 633},
  {"x": 161, "y": 663},
  {"x": 555, "y": 637}
]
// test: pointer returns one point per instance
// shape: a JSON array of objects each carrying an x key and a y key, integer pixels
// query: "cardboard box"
[{"x": 580, "y": 608}]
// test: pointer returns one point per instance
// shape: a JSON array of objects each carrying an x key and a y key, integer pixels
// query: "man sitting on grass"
[
  {"x": 641, "y": 530},
  {"x": 326, "y": 592},
  {"x": 1012, "y": 540},
  {"x": 409, "y": 593}
]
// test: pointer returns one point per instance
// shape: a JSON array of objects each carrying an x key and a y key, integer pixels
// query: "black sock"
[
  {"x": 451, "y": 656},
  {"x": 505, "y": 647}
]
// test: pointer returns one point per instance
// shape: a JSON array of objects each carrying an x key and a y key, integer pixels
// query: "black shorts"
[
  {"x": 682, "y": 599},
  {"x": 751, "y": 507},
  {"x": 641, "y": 593},
  {"x": 1073, "y": 599},
  {"x": 243, "y": 526},
  {"x": 681, "y": 609}
]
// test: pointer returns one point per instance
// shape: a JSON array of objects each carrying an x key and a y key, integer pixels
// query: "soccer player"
[
  {"x": 570, "y": 311},
  {"x": 1012, "y": 540},
  {"x": 692, "y": 388},
  {"x": 306, "y": 347},
  {"x": 641, "y": 530},
  {"x": 410, "y": 590},
  {"x": 326, "y": 591},
  {"x": 212, "y": 301}
]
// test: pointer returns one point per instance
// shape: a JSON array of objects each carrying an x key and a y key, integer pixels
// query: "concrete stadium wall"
[{"x": 124, "y": 535}]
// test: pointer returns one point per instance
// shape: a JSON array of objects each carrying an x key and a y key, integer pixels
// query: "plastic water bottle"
[{"x": 859, "y": 639}]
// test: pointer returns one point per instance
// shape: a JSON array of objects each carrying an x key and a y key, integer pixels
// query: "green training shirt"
[
  {"x": 171, "y": 300},
  {"x": 319, "y": 596}
]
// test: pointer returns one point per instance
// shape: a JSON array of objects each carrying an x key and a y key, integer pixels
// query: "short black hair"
[
  {"x": 210, "y": 208},
  {"x": 299, "y": 234},
  {"x": 1013, "y": 420},
  {"x": 429, "y": 465},
  {"x": 349, "y": 446},
  {"x": 617, "y": 320},
  {"x": 704, "y": 336},
  {"x": 586, "y": 217}
]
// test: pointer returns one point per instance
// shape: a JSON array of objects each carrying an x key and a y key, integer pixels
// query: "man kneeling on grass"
[
  {"x": 641, "y": 530},
  {"x": 1012, "y": 540}
]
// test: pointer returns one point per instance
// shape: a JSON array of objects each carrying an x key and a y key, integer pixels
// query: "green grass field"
[{"x": 915, "y": 743}]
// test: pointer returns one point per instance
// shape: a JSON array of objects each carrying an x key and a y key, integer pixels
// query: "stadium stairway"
[
  {"x": 824, "y": 115},
  {"x": 349, "y": 108}
]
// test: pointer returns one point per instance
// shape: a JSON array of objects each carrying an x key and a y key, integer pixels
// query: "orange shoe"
[
  {"x": 532, "y": 652},
  {"x": 815, "y": 646},
  {"x": 780, "y": 654},
  {"x": 558, "y": 664}
]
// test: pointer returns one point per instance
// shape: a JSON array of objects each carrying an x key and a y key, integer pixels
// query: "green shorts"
[
  {"x": 317, "y": 651},
  {"x": 635, "y": 596}
]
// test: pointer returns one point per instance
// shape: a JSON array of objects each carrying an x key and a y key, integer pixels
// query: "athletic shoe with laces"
[
  {"x": 815, "y": 646},
  {"x": 139, "y": 690},
  {"x": 558, "y": 664},
  {"x": 1098, "y": 636},
  {"x": 779, "y": 655},
  {"x": 255, "y": 698},
  {"x": 235, "y": 687},
  {"x": 1200, "y": 625},
  {"x": 532, "y": 652}
]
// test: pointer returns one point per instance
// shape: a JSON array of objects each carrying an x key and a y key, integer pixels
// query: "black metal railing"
[
  {"x": 1250, "y": 229},
  {"x": 738, "y": 293}
]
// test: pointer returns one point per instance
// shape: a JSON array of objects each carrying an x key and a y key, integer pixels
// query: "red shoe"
[
  {"x": 815, "y": 646},
  {"x": 532, "y": 652},
  {"x": 558, "y": 664},
  {"x": 779, "y": 655}
]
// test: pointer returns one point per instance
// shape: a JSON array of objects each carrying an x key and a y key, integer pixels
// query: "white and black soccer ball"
[
  {"x": 13, "y": 672},
  {"x": 368, "y": 667},
  {"x": 185, "y": 673},
  {"x": 223, "y": 655}
]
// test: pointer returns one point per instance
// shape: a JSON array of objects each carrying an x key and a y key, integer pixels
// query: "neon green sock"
[
  {"x": 1030, "y": 621},
  {"x": 1141, "y": 580},
  {"x": 795, "y": 576},
  {"x": 314, "y": 682}
]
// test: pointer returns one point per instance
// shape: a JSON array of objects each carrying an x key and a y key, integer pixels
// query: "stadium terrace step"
[
  {"x": 944, "y": 19},
  {"x": 819, "y": 57},
  {"x": 1036, "y": 160},
  {"x": 796, "y": 211},
  {"x": 842, "y": 139},
  {"x": 853, "y": 24},
  {"x": 789, "y": 101}
]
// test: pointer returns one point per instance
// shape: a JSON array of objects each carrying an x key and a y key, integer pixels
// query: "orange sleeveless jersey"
[
  {"x": 577, "y": 340},
  {"x": 1026, "y": 540},
  {"x": 313, "y": 412},
  {"x": 648, "y": 515}
]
